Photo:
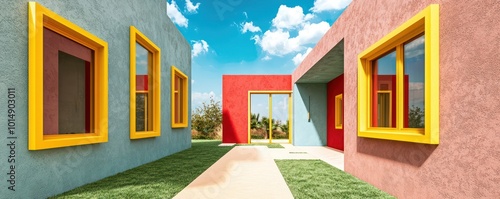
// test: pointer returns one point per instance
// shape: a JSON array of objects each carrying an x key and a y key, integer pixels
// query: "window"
[
  {"x": 398, "y": 82},
  {"x": 68, "y": 85},
  {"x": 144, "y": 86},
  {"x": 339, "y": 113},
  {"x": 179, "y": 99}
]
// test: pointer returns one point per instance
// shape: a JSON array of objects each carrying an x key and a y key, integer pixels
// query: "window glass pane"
[
  {"x": 181, "y": 100},
  {"x": 177, "y": 83},
  {"x": 73, "y": 94},
  {"x": 259, "y": 117},
  {"x": 141, "y": 68},
  {"x": 384, "y": 91},
  {"x": 144, "y": 91},
  {"x": 141, "y": 111},
  {"x": 176, "y": 107},
  {"x": 414, "y": 84},
  {"x": 279, "y": 116},
  {"x": 338, "y": 112},
  {"x": 67, "y": 85}
]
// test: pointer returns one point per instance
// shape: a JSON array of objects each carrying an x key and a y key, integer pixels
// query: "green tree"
[
  {"x": 416, "y": 117},
  {"x": 207, "y": 118},
  {"x": 284, "y": 127},
  {"x": 254, "y": 121},
  {"x": 276, "y": 124}
]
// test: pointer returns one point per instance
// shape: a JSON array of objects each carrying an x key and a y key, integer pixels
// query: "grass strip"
[
  {"x": 163, "y": 178},
  {"x": 269, "y": 145},
  {"x": 317, "y": 179}
]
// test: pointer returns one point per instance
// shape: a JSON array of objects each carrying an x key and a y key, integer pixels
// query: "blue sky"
[{"x": 248, "y": 37}]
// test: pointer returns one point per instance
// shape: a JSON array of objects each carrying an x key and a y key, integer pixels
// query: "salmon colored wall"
[
  {"x": 334, "y": 137},
  {"x": 235, "y": 101},
  {"x": 466, "y": 162}
]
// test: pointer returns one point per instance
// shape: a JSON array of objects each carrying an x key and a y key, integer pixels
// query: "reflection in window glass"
[
  {"x": 338, "y": 111},
  {"x": 141, "y": 100},
  {"x": 179, "y": 99},
  {"x": 73, "y": 95},
  {"x": 67, "y": 86},
  {"x": 144, "y": 91},
  {"x": 384, "y": 91},
  {"x": 414, "y": 69}
]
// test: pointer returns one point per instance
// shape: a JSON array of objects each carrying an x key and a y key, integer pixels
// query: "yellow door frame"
[{"x": 290, "y": 115}]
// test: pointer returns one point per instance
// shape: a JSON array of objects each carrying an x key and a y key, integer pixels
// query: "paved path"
[{"x": 250, "y": 172}]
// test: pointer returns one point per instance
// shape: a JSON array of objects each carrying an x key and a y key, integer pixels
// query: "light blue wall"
[
  {"x": 40, "y": 174},
  {"x": 309, "y": 132}
]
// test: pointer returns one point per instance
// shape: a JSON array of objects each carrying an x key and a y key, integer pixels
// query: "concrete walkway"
[{"x": 250, "y": 172}]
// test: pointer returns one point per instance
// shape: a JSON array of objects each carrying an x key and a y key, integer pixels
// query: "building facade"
[
  {"x": 92, "y": 88},
  {"x": 409, "y": 91}
]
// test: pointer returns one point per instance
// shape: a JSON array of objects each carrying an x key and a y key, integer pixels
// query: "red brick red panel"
[{"x": 235, "y": 101}]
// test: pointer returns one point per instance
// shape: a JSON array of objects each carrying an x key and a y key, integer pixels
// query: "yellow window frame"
[
  {"x": 182, "y": 111},
  {"x": 339, "y": 105},
  {"x": 270, "y": 101},
  {"x": 138, "y": 37},
  {"x": 39, "y": 18},
  {"x": 426, "y": 21}
]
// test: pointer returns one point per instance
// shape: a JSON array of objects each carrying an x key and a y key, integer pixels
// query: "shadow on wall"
[
  {"x": 313, "y": 96},
  {"x": 405, "y": 152},
  {"x": 229, "y": 134}
]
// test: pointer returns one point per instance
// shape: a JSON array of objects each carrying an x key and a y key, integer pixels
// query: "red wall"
[
  {"x": 334, "y": 137},
  {"x": 235, "y": 101}
]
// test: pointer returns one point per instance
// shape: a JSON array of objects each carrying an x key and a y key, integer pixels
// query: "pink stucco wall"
[
  {"x": 235, "y": 101},
  {"x": 466, "y": 163}
]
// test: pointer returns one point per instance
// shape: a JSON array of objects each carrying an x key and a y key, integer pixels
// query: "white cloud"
[
  {"x": 300, "y": 57},
  {"x": 198, "y": 98},
  {"x": 278, "y": 42},
  {"x": 246, "y": 15},
  {"x": 266, "y": 58},
  {"x": 176, "y": 16},
  {"x": 248, "y": 26},
  {"x": 192, "y": 8},
  {"x": 256, "y": 38},
  {"x": 192, "y": 81},
  {"x": 199, "y": 47},
  {"x": 290, "y": 18},
  {"x": 415, "y": 48},
  {"x": 311, "y": 33},
  {"x": 414, "y": 86},
  {"x": 326, "y": 5}
]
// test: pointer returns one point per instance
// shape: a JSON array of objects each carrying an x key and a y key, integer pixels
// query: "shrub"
[{"x": 206, "y": 120}]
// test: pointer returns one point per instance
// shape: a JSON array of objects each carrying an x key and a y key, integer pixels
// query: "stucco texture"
[
  {"x": 309, "y": 114},
  {"x": 466, "y": 163},
  {"x": 40, "y": 174},
  {"x": 235, "y": 101}
]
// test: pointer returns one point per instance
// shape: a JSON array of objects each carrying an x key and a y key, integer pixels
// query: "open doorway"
[{"x": 270, "y": 116}]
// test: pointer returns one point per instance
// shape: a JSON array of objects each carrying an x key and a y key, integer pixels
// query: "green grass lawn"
[
  {"x": 272, "y": 145},
  {"x": 163, "y": 178},
  {"x": 317, "y": 179}
]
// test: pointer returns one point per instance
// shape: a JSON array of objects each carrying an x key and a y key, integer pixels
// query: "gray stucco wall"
[
  {"x": 47, "y": 172},
  {"x": 309, "y": 98}
]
